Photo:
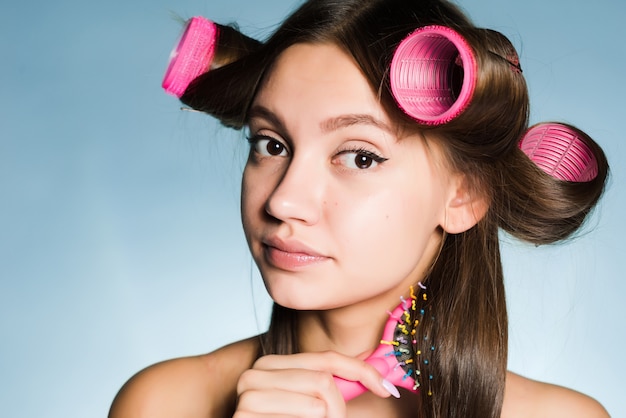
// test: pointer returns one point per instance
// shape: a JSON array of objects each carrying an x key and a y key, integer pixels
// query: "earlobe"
[{"x": 464, "y": 209}]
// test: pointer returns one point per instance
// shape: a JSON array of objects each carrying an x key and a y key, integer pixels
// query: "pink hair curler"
[
  {"x": 433, "y": 75},
  {"x": 394, "y": 357},
  {"x": 561, "y": 151},
  {"x": 192, "y": 55}
]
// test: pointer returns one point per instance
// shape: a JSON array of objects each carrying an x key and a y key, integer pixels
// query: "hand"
[{"x": 302, "y": 385}]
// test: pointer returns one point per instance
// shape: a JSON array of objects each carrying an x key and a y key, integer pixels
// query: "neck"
[{"x": 353, "y": 330}]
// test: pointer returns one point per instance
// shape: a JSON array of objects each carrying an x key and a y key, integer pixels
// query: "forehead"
[
  {"x": 319, "y": 73},
  {"x": 325, "y": 61}
]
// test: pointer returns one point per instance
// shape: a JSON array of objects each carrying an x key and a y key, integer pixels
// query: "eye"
[
  {"x": 359, "y": 159},
  {"x": 267, "y": 146}
]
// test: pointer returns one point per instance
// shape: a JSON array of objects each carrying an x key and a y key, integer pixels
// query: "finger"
[
  {"x": 317, "y": 387},
  {"x": 248, "y": 414},
  {"x": 281, "y": 403},
  {"x": 339, "y": 365}
]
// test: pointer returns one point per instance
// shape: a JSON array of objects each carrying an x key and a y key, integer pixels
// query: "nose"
[{"x": 298, "y": 195}]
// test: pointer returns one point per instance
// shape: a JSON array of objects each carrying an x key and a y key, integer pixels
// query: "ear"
[{"x": 465, "y": 206}]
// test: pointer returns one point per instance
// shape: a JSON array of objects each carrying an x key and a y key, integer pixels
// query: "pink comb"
[
  {"x": 560, "y": 151},
  {"x": 192, "y": 55},
  {"x": 390, "y": 358},
  {"x": 433, "y": 75}
]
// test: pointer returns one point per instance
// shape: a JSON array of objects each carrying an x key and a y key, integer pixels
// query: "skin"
[{"x": 342, "y": 213}]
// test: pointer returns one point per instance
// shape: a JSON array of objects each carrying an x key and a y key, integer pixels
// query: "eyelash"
[
  {"x": 367, "y": 153},
  {"x": 254, "y": 140}
]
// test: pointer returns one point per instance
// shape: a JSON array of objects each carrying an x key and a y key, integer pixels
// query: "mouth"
[{"x": 290, "y": 255}]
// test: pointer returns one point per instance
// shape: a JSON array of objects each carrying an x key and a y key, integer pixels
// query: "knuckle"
[
  {"x": 359, "y": 369},
  {"x": 324, "y": 380},
  {"x": 365, "y": 369},
  {"x": 263, "y": 362},
  {"x": 244, "y": 414},
  {"x": 246, "y": 381},
  {"x": 331, "y": 359},
  {"x": 332, "y": 356},
  {"x": 317, "y": 408},
  {"x": 246, "y": 402}
]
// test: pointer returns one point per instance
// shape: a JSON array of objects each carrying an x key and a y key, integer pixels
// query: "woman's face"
[{"x": 338, "y": 207}]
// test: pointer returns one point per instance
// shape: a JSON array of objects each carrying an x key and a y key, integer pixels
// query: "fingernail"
[{"x": 389, "y": 387}]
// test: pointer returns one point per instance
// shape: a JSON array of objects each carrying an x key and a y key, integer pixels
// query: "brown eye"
[
  {"x": 274, "y": 147},
  {"x": 267, "y": 146},
  {"x": 363, "y": 161},
  {"x": 359, "y": 159}
]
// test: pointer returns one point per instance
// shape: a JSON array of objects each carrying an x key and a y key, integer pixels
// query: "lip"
[{"x": 290, "y": 255}]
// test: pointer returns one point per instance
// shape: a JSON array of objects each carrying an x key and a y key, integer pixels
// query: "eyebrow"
[
  {"x": 326, "y": 126},
  {"x": 344, "y": 121},
  {"x": 264, "y": 113}
]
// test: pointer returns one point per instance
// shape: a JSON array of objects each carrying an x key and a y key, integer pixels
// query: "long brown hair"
[{"x": 467, "y": 322}]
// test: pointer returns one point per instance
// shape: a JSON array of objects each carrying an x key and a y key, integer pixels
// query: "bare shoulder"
[
  {"x": 526, "y": 398},
  {"x": 199, "y": 386}
]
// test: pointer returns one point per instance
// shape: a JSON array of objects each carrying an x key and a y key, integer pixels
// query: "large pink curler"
[
  {"x": 192, "y": 55},
  {"x": 433, "y": 75},
  {"x": 561, "y": 151}
]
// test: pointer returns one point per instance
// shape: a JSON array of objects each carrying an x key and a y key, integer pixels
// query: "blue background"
[{"x": 120, "y": 242}]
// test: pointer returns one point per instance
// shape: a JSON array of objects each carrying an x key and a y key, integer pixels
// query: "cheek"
[
  {"x": 252, "y": 200},
  {"x": 389, "y": 232}
]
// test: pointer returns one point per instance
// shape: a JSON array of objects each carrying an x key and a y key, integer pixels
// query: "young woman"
[{"x": 349, "y": 203}]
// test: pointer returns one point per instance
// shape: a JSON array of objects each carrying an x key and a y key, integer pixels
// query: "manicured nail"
[{"x": 391, "y": 388}]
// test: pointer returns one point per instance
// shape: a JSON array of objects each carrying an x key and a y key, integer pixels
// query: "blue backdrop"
[{"x": 120, "y": 242}]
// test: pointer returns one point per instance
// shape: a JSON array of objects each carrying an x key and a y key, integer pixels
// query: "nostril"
[{"x": 294, "y": 202}]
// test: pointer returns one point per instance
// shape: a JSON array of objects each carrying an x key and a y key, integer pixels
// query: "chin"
[{"x": 295, "y": 300}]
